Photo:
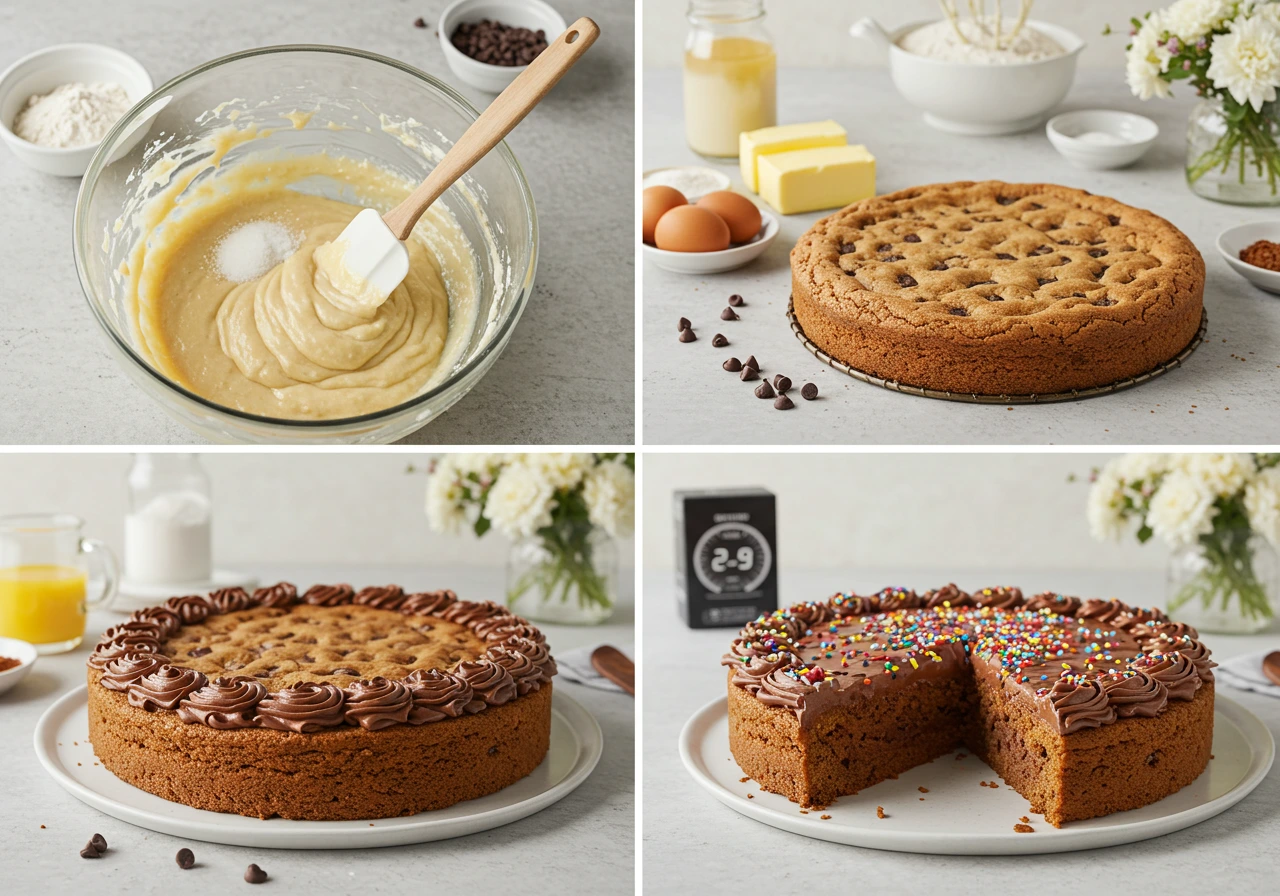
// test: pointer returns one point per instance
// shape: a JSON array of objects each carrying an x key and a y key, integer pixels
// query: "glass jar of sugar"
[
  {"x": 730, "y": 75},
  {"x": 168, "y": 530}
]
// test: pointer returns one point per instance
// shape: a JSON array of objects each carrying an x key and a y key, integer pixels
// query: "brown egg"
[
  {"x": 657, "y": 202},
  {"x": 687, "y": 228},
  {"x": 739, "y": 212}
]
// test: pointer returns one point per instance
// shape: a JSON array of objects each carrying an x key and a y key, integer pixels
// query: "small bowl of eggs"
[{"x": 722, "y": 231}]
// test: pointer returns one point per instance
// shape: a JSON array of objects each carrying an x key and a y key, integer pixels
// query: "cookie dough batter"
[{"x": 290, "y": 343}]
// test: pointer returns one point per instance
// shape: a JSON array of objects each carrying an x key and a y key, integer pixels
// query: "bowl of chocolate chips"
[{"x": 488, "y": 42}]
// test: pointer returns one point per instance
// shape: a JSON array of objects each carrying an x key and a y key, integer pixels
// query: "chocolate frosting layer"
[
  {"x": 329, "y": 595},
  {"x": 428, "y": 603},
  {"x": 190, "y": 609},
  {"x": 281, "y": 594},
  {"x": 490, "y": 682},
  {"x": 164, "y": 688},
  {"x": 437, "y": 695},
  {"x": 384, "y": 597},
  {"x": 224, "y": 703},
  {"x": 377, "y": 703},
  {"x": 522, "y": 670},
  {"x": 127, "y": 668},
  {"x": 302, "y": 707},
  {"x": 230, "y": 600},
  {"x": 1135, "y": 693},
  {"x": 1174, "y": 671}
]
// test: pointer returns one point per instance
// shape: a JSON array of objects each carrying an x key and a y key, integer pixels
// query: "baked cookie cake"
[
  {"x": 1084, "y": 707},
  {"x": 998, "y": 289},
  {"x": 333, "y": 704}
]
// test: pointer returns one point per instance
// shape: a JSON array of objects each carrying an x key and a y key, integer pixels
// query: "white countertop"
[
  {"x": 567, "y": 376},
  {"x": 588, "y": 837},
  {"x": 688, "y": 399},
  {"x": 693, "y": 844}
]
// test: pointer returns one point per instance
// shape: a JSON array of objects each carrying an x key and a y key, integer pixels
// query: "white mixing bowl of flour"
[
  {"x": 43, "y": 70},
  {"x": 973, "y": 97}
]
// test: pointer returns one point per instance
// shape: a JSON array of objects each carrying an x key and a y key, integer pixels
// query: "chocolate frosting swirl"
[
  {"x": 165, "y": 618},
  {"x": 281, "y": 594},
  {"x": 526, "y": 674},
  {"x": 165, "y": 687},
  {"x": 1135, "y": 694},
  {"x": 485, "y": 628},
  {"x": 1136, "y": 616},
  {"x": 750, "y": 675},
  {"x": 105, "y": 653},
  {"x": 328, "y": 595},
  {"x": 437, "y": 695},
  {"x": 1062, "y": 604},
  {"x": 133, "y": 628},
  {"x": 1001, "y": 598},
  {"x": 536, "y": 652},
  {"x": 1198, "y": 654},
  {"x": 465, "y": 612},
  {"x": 810, "y": 615},
  {"x": 225, "y": 703},
  {"x": 784, "y": 690},
  {"x": 744, "y": 649},
  {"x": 1174, "y": 671},
  {"x": 772, "y": 627},
  {"x": 382, "y": 597},
  {"x": 428, "y": 603},
  {"x": 491, "y": 683},
  {"x": 948, "y": 595},
  {"x": 230, "y": 600},
  {"x": 127, "y": 668},
  {"x": 302, "y": 707},
  {"x": 377, "y": 703},
  {"x": 1079, "y": 705},
  {"x": 892, "y": 599},
  {"x": 1102, "y": 610},
  {"x": 854, "y": 604},
  {"x": 190, "y": 609},
  {"x": 1162, "y": 631},
  {"x": 518, "y": 629}
]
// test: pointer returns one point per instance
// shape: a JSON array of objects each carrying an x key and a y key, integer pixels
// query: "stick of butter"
[
  {"x": 784, "y": 138},
  {"x": 808, "y": 180}
]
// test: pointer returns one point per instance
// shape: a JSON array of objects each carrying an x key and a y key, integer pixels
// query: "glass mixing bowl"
[{"x": 352, "y": 95}]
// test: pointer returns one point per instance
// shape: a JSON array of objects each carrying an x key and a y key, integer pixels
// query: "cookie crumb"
[
  {"x": 804, "y": 811},
  {"x": 1024, "y": 820},
  {"x": 824, "y": 817},
  {"x": 923, "y": 789},
  {"x": 1024, "y": 829},
  {"x": 751, "y": 796},
  {"x": 743, "y": 780},
  {"x": 880, "y": 812}
]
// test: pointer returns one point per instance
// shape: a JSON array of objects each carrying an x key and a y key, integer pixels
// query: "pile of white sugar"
[
  {"x": 71, "y": 114},
  {"x": 940, "y": 41},
  {"x": 252, "y": 249}
]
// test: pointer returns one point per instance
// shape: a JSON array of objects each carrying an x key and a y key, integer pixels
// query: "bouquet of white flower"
[
  {"x": 1212, "y": 504},
  {"x": 1228, "y": 50},
  {"x": 550, "y": 503}
]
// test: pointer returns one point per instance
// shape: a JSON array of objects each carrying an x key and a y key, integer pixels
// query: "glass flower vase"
[
  {"x": 1233, "y": 154},
  {"x": 566, "y": 573},
  {"x": 1227, "y": 582}
]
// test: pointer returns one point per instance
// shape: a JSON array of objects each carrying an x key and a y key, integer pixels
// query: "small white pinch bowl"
[
  {"x": 532, "y": 14},
  {"x": 1134, "y": 135},
  {"x": 654, "y": 177},
  {"x": 43, "y": 70},
  {"x": 21, "y": 651},
  {"x": 972, "y": 99},
  {"x": 1235, "y": 239},
  {"x": 717, "y": 262}
]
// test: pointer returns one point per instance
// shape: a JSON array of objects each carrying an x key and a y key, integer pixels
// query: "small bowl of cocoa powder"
[
  {"x": 1253, "y": 252},
  {"x": 16, "y": 659},
  {"x": 487, "y": 43}
]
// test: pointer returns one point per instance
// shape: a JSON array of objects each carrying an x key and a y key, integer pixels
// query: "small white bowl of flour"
[{"x": 58, "y": 103}]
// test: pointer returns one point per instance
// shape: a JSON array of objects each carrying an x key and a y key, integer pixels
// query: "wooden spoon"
[
  {"x": 1271, "y": 666},
  {"x": 613, "y": 664}
]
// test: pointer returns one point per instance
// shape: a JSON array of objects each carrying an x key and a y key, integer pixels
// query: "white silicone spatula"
[{"x": 373, "y": 251}]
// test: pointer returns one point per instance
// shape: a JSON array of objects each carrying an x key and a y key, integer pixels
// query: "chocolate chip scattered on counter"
[
  {"x": 686, "y": 335},
  {"x": 728, "y": 314},
  {"x": 809, "y": 391},
  {"x": 255, "y": 875},
  {"x": 90, "y": 851},
  {"x": 783, "y": 403},
  {"x": 684, "y": 324},
  {"x": 42, "y": 827},
  {"x": 419, "y": 22},
  {"x": 719, "y": 341},
  {"x": 185, "y": 858},
  {"x": 736, "y": 300},
  {"x": 782, "y": 383},
  {"x": 733, "y": 365},
  {"x": 764, "y": 390},
  {"x": 99, "y": 842},
  {"x": 494, "y": 43},
  {"x": 748, "y": 373},
  {"x": 751, "y": 362}
]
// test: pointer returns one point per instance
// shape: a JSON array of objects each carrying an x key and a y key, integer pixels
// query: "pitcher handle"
[{"x": 110, "y": 571}]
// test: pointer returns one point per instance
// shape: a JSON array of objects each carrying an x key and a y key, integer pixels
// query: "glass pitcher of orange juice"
[{"x": 44, "y": 566}]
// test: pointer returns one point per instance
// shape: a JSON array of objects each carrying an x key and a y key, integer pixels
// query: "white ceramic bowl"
[
  {"x": 1131, "y": 135},
  {"x": 658, "y": 176},
  {"x": 44, "y": 70},
  {"x": 1234, "y": 239},
  {"x": 17, "y": 650},
  {"x": 716, "y": 262},
  {"x": 532, "y": 14},
  {"x": 964, "y": 98}
]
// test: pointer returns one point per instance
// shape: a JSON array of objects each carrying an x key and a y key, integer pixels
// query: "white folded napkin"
[
  {"x": 1245, "y": 673},
  {"x": 575, "y": 665}
]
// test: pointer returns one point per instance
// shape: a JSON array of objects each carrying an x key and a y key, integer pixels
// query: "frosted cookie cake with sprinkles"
[{"x": 1085, "y": 707}]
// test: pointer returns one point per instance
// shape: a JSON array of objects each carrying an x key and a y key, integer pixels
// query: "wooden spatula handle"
[
  {"x": 614, "y": 665},
  {"x": 495, "y": 122}
]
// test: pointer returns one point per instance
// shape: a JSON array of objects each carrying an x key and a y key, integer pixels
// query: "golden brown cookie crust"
[{"x": 998, "y": 289}]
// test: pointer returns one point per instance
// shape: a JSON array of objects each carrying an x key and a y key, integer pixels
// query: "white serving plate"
[
  {"x": 717, "y": 262},
  {"x": 958, "y": 816},
  {"x": 1235, "y": 239},
  {"x": 21, "y": 651},
  {"x": 62, "y": 740}
]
